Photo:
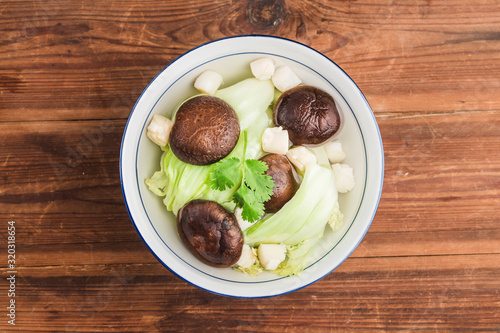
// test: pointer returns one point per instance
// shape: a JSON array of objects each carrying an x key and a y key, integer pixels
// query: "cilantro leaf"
[
  {"x": 252, "y": 209},
  {"x": 256, "y": 179},
  {"x": 225, "y": 173},
  {"x": 241, "y": 195},
  {"x": 254, "y": 186}
]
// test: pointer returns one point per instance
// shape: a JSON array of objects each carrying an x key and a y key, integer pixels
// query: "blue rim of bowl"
[{"x": 359, "y": 206}]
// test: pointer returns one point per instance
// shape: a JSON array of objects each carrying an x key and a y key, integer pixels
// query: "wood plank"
[
  {"x": 410, "y": 291},
  {"x": 399, "y": 65}
]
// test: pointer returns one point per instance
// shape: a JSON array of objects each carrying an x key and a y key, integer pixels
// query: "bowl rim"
[{"x": 352, "y": 247}]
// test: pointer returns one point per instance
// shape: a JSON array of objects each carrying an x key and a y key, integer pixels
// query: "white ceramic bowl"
[{"x": 139, "y": 158}]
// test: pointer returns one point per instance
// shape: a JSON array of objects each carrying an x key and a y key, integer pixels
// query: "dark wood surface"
[{"x": 70, "y": 72}]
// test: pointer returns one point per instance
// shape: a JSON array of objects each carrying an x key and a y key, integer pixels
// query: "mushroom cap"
[
  {"x": 205, "y": 130},
  {"x": 308, "y": 113},
  {"x": 285, "y": 181},
  {"x": 210, "y": 232}
]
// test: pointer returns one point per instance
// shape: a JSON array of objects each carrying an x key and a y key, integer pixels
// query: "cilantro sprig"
[{"x": 254, "y": 186}]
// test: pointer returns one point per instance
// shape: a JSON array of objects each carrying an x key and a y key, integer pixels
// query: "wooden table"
[{"x": 70, "y": 72}]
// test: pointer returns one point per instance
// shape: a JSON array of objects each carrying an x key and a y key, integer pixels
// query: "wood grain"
[{"x": 70, "y": 72}]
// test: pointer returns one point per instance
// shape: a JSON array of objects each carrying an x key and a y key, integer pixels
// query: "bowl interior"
[{"x": 231, "y": 57}]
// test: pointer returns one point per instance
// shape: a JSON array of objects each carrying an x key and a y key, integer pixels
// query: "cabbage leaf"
[{"x": 303, "y": 216}]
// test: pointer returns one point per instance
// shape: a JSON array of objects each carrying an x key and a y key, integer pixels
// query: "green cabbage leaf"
[{"x": 303, "y": 216}]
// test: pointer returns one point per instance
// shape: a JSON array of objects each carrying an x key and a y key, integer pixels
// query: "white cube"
[
  {"x": 263, "y": 68},
  {"x": 247, "y": 258},
  {"x": 334, "y": 151},
  {"x": 271, "y": 255},
  {"x": 275, "y": 140},
  {"x": 208, "y": 82},
  {"x": 284, "y": 78},
  {"x": 300, "y": 157},
  {"x": 159, "y": 129},
  {"x": 344, "y": 177}
]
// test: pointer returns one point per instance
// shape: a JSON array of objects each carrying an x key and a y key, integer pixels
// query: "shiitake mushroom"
[
  {"x": 308, "y": 113},
  {"x": 285, "y": 181},
  {"x": 210, "y": 232},
  {"x": 205, "y": 130}
]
